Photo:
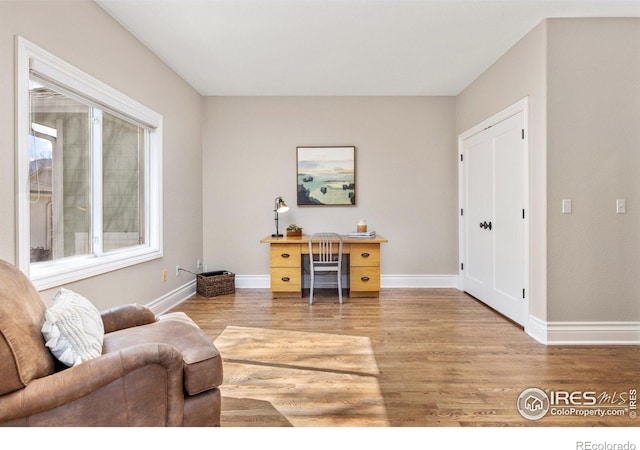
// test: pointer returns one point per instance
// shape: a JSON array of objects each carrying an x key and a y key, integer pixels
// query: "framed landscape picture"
[{"x": 326, "y": 176}]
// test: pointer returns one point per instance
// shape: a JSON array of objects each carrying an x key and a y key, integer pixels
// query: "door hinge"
[
  {"x": 461, "y": 157},
  {"x": 523, "y": 213},
  {"x": 461, "y": 211},
  {"x": 461, "y": 266},
  {"x": 523, "y": 293},
  {"x": 523, "y": 133}
]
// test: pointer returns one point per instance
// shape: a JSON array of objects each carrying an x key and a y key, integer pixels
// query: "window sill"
[{"x": 51, "y": 274}]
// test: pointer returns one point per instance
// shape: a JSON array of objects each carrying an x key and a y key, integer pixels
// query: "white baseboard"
[
  {"x": 173, "y": 298},
  {"x": 583, "y": 333},
  {"x": 419, "y": 281},
  {"x": 253, "y": 281},
  {"x": 386, "y": 281},
  {"x": 537, "y": 329}
]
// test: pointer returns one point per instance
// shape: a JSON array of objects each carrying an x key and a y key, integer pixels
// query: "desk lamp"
[{"x": 280, "y": 207}]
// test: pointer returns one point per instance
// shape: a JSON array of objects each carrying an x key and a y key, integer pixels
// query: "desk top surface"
[{"x": 305, "y": 238}]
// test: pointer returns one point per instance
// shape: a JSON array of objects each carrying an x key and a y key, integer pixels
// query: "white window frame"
[{"x": 49, "y": 274}]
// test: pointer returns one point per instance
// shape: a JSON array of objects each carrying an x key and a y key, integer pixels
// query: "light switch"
[
  {"x": 621, "y": 206},
  {"x": 566, "y": 206}
]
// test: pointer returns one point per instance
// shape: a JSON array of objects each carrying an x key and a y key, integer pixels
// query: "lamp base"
[{"x": 277, "y": 235}]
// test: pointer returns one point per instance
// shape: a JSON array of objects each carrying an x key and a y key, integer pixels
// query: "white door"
[{"x": 495, "y": 253}]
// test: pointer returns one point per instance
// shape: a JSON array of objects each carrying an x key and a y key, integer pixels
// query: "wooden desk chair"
[{"x": 324, "y": 258}]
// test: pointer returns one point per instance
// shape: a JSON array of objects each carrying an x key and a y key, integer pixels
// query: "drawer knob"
[
  {"x": 285, "y": 278},
  {"x": 365, "y": 278},
  {"x": 365, "y": 255},
  {"x": 285, "y": 255}
]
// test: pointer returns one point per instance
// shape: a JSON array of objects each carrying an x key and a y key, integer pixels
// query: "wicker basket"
[{"x": 212, "y": 284}]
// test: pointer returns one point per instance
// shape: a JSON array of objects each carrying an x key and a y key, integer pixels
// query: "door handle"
[
  {"x": 285, "y": 279},
  {"x": 364, "y": 255},
  {"x": 285, "y": 255},
  {"x": 364, "y": 278}
]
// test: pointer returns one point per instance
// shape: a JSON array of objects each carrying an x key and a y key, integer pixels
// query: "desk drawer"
[
  {"x": 365, "y": 278},
  {"x": 365, "y": 255},
  {"x": 284, "y": 255},
  {"x": 285, "y": 279}
]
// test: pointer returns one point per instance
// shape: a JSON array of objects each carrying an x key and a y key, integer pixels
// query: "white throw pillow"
[{"x": 73, "y": 328}]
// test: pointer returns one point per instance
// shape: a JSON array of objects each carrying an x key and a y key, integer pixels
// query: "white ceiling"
[{"x": 339, "y": 47}]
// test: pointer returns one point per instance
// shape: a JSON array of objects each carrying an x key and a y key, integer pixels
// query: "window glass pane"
[
  {"x": 123, "y": 149},
  {"x": 59, "y": 175}
]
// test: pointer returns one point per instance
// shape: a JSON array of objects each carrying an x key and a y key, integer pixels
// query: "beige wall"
[
  {"x": 594, "y": 158},
  {"x": 520, "y": 73},
  {"x": 406, "y": 176},
  {"x": 84, "y": 35}
]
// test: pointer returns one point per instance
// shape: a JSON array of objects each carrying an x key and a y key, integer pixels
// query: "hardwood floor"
[{"x": 413, "y": 357}]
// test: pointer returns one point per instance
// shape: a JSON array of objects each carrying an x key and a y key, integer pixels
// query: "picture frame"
[{"x": 326, "y": 176}]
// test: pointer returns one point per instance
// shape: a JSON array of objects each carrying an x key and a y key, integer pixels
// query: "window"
[{"x": 89, "y": 173}]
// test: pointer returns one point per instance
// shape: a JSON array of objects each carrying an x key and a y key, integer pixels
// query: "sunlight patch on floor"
[{"x": 308, "y": 379}]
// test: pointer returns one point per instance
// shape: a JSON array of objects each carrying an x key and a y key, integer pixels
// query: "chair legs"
[
  {"x": 339, "y": 275},
  {"x": 311, "y": 290},
  {"x": 340, "y": 287}
]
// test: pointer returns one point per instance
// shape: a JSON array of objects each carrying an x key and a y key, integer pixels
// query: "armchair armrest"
[
  {"x": 115, "y": 389},
  {"x": 126, "y": 316}
]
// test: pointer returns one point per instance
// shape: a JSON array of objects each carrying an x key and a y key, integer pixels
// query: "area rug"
[{"x": 293, "y": 378}]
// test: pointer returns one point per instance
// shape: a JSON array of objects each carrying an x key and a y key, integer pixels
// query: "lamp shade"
[{"x": 281, "y": 206}]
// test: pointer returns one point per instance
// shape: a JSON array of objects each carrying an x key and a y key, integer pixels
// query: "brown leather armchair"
[{"x": 154, "y": 371}]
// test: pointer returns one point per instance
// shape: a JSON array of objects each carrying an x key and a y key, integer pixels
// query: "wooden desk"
[{"x": 287, "y": 270}]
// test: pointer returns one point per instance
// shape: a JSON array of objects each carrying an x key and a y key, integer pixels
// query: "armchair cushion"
[
  {"x": 202, "y": 363},
  {"x": 73, "y": 328}
]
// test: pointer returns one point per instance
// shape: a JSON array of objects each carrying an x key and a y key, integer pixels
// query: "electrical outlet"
[
  {"x": 164, "y": 276},
  {"x": 178, "y": 270},
  {"x": 621, "y": 206},
  {"x": 198, "y": 264}
]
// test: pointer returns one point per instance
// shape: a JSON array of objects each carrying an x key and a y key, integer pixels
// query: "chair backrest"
[
  {"x": 23, "y": 354},
  {"x": 325, "y": 248}
]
